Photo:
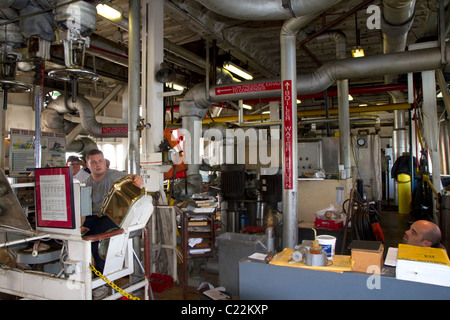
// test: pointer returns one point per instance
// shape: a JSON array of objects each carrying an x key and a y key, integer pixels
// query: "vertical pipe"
[
  {"x": 431, "y": 128},
  {"x": 154, "y": 56},
  {"x": 344, "y": 126},
  {"x": 2, "y": 139},
  {"x": 147, "y": 266},
  {"x": 445, "y": 151},
  {"x": 343, "y": 108},
  {"x": 38, "y": 104},
  {"x": 289, "y": 139},
  {"x": 134, "y": 68}
]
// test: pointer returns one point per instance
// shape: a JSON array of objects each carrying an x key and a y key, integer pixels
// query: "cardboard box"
[{"x": 367, "y": 256}]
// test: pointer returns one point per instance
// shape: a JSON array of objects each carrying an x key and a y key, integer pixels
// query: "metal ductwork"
[
  {"x": 350, "y": 68},
  {"x": 193, "y": 109},
  {"x": 266, "y": 10},
  {"x": 343, "y": 105},
  {"x": 396, "y": 21},
  {"x": 53, "y": 118}
]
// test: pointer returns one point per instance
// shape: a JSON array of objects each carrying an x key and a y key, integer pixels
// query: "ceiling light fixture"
[
  {"x": 237, "y": 70},
  {"x": 109, "y": 12},
  {"x": 246, "y": 106},
  {"x": 174, "y": 86}
]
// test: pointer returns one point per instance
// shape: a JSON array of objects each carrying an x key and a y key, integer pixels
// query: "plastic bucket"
[{"x": 328, "y": 244}]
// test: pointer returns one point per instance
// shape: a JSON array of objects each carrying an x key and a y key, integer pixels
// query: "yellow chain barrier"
[{"x": 112, "y": 284}]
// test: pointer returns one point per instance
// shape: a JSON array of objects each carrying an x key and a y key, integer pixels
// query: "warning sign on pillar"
[{"x": 287, "y": 134}]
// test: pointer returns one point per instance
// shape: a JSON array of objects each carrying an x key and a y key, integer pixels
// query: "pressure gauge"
[{"x": 361, "y": 142}]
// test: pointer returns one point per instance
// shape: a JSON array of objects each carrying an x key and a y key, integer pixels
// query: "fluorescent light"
[
  {"x": 246, "y": 106},
  {"x": 108, "y": 12},
  {"x": 299, "y": 101},
  {"x": 357, "y": 52},
  {"x": 174, "y": 86},
  {"x": 237, "y": 70},
  {"x": 350, "y": 98}
]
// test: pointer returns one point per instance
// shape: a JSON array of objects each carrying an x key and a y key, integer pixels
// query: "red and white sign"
[
  {"x": 251, "y": 87},
  {"x": 115, "y": 130},
  {"x": 288, "y": 132}
]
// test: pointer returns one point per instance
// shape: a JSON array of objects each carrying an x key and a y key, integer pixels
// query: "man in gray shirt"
[{"x": 101, "y": 180}]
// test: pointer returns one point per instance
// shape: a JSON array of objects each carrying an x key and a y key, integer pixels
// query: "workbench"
[{"x": 261, "y": 281}]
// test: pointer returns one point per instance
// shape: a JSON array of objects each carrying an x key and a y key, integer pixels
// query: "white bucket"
[{"x": 328, "y": 244}]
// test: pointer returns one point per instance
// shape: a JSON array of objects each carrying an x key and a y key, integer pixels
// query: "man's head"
[
  {"x": 96, "y": 163},
  {"x": 423, "y": 233},
  {"x": 75, "y": 163}
]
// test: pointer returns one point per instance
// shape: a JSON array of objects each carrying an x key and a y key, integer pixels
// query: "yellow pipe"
[{"x": 386, "y": 107}]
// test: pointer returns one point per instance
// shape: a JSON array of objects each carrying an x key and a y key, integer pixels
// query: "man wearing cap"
[{"x": 75, "y": 163}]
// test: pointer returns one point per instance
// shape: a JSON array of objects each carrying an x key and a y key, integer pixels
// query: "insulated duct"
[
  {"x": 329, "y": 73},
  {"x": 396, "y": 21},
  {"x": 343, "y": 105},
  {"x": 266, "y": 10},
  {"x": 193, "y": 109},
  {"x": 55, "y": 110}
]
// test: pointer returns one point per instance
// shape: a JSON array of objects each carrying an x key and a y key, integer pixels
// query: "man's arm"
[{"x": 137, "y": 180}]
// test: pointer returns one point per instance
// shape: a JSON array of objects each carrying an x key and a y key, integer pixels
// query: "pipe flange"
[{"x": 69, "y": 74}]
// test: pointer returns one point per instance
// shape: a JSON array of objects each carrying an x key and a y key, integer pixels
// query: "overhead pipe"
[
  {"x": 63, "y": 104},
  {"x": 333, "y": 93},
  {"x": 266, "y": 10},
  {"x": 322, "y": 78},
  {"x": 316, "y": 112}
]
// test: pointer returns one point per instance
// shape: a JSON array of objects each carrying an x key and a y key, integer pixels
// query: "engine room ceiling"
[{"x": 253, "y": 45}]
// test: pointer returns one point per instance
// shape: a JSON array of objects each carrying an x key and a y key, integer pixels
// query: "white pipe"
[
  {"x": 350, "y": 68},
  {"x": 343, "y": 104},
  {"x": 24, "y": 240},
  {"x": 267, "y": 9},
  {"x": 397, "y": 18},
  {"x": 64, "y": 104},
  {"x": 134, "y": 86}
]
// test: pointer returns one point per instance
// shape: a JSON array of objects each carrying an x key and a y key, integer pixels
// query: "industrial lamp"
[
  {"x": 357, "y": 52},
  {"x": 109, "y": 12},
  {"x": 237, "y": 70}
]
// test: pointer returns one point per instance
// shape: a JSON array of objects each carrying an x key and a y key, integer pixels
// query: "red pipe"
[{"x": 331, "y": 93}]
